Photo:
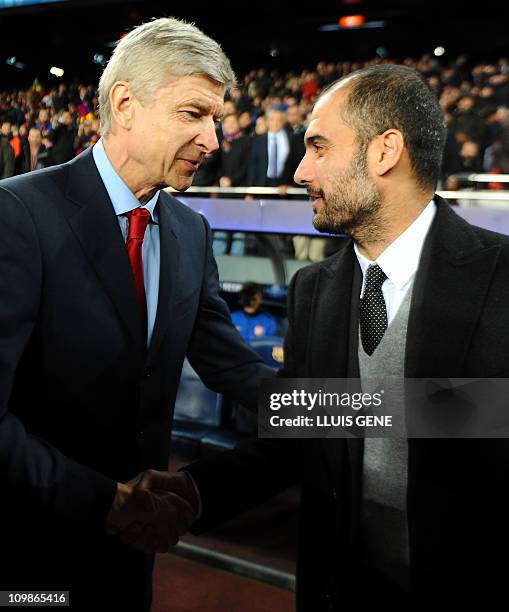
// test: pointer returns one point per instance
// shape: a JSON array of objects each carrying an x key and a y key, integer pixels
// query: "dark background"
[{"x": 68, "y": 34}]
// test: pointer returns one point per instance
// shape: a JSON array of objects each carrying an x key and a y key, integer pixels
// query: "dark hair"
[
  {"x": 248, "y": 292},
  {"x": 390, "y": 96}
]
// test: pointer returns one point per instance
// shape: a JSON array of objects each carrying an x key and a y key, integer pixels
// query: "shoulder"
[
  {"x": 260, "y": 139},
  {"x": 329, "y": 266},
  {"x": 490, "y": 238},
  {"x": 186, "y": 217},
  {"x": 36, "y": 183}
]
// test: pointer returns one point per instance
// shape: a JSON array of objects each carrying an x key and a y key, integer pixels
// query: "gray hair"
[{"x": 150, "y": 53}]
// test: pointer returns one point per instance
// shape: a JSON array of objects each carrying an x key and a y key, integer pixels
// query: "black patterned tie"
[{"x": 372, "y": 312}]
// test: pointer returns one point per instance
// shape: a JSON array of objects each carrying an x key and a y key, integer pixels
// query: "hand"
[
  {"x": 225, "y": 181},
  {"x": 148, "y": 515},
  {"x": 179, "y": 483}
]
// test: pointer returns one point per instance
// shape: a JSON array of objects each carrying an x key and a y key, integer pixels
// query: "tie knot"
[
  {"x": 138, "y": 221},
  {"x": 375, "y": 278}
]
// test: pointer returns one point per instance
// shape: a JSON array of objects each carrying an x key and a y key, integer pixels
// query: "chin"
[{"x": 181, "y": 183}]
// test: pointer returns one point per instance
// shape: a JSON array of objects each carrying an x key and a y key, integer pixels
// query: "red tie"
[{"x": 138, "y": 221}]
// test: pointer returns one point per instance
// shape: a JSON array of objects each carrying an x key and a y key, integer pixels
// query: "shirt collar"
[
  {"x": 400, "y": 259},
  {"x": 122, "y": 198}
]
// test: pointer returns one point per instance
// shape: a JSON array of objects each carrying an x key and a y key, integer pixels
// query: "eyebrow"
[
  {"x": 316, "y": 139},
  {"x": 204, "y": 108}
]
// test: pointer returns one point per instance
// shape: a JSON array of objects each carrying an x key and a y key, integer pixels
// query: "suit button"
[{"x": 148, "y": 372}]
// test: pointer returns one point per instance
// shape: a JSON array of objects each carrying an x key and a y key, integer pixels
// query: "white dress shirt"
[
  {"x": 400, "y": 261},
  {"x": 123, "y": 200}
]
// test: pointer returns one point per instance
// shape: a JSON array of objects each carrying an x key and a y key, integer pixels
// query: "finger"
[
  {"x": 143, "y": 502},
  {"x": 170, "y": 525},
  {"x": 173, "y": 509},
  {"x": 147, "y": 539},
  {"x": 152, "y": 479},
  {"x": 133, "y": 531},
  {"x": 181, "y": 484},
  {"x": 184, "y": 509}
]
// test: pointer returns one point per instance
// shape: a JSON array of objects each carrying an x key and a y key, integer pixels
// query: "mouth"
[
  {"x": 191, "y": 164},
  {"x": 316, "y": 199}
]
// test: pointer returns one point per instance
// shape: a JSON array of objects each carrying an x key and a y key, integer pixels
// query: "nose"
[
  {"x": 304, "y": 174},
  {"x": 207, "y": 138}
]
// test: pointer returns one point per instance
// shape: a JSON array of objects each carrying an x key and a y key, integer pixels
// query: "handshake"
[{"x": 153, "y": 510}]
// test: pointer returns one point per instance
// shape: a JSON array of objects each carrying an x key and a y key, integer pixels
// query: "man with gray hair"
[{"x": 107, "y": 283}]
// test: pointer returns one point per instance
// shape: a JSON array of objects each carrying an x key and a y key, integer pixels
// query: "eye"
[{"x": 193, "y": 114}]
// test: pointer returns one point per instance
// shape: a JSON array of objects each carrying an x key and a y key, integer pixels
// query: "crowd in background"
[
  {"x": 262, "y": 135},
  {"x": 40, "y": 128}
]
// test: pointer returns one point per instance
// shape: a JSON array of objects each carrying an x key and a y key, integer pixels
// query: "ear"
[
  {"x": 122, "y": 102},
  {"x": 387, "y": 149}
]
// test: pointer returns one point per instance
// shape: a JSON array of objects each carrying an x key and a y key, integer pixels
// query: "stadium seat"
[
  {"x": 270, "y": 349},
  {"x": 198, "y": 412}
]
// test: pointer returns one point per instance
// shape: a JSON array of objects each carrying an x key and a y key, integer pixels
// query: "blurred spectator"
[
  {"x": 251, "y": 321},
  {"x": 234, "y": 154},
  {"x": 496, "y": 157},
  {"x": 294, "y": 119},
  {"x": 34, "y": 155},
  {"x": 43, "y": 122},
  {"x": 261, "y": 126},
  {"x": 310, "y": 88},
  {"x": 272, "y": 160},
  {"x": 468, "y": 121},
  {"x": 261, "y": 83},
  {"x": 7, "y": 156},
  {"x": 83, "y": 101},
  {"x": 63, "y": 138},
  {"x": 86, "y": 137},
  {"x": 23, "y": 133},
  {"x": 470, "y": 157},
  {"x": 60, "y": 99},
  {"x": 15, "y": 141},
  {"x": 451, "y": 162},
  {"x": 229, "y": 108},
  {"x": 208, "y": 170},
  {"x": 246, "y": 123}
]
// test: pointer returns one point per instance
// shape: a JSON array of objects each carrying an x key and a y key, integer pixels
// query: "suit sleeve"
[
  {"x": 256, "y": 469},
  {"x": 217, "y": 351},
  {"x": 238, "y": 177},
  {"x": 252, "y": 165},
  {"x": 295, "y": 155},
  {"x": 34, "y": 476}
]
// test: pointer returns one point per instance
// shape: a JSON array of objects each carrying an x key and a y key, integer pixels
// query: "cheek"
[{"x": 326, "y": 174}]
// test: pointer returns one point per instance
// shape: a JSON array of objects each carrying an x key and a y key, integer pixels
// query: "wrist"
[{"x": 119, "y": 501}]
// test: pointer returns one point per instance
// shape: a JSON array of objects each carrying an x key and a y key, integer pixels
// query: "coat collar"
[
  {"x": 95, "y": 225},
  {"x": 450, "y": 287}
]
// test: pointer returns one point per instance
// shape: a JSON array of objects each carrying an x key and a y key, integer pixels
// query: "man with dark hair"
[
  {"x": 7, "y": 155},
  {"x": 251, "y": 322},
  {"x": 34, "y": 155},
  {"x": 414, "y": 292},
  {"x": 63, "y": 138}
]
